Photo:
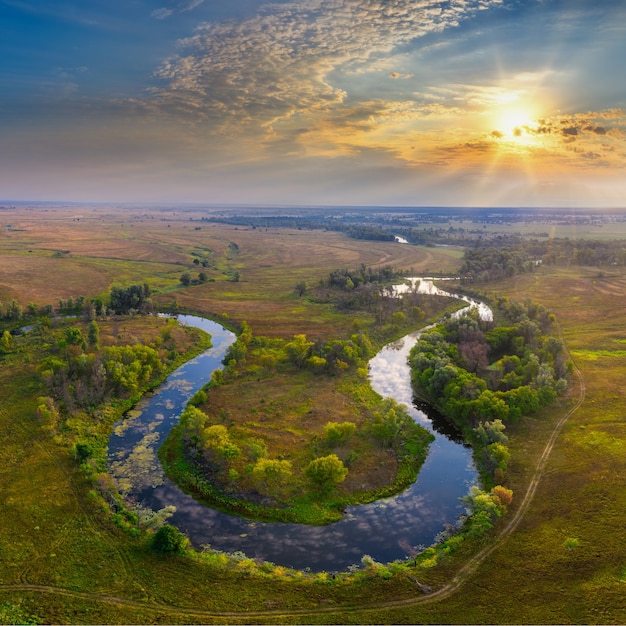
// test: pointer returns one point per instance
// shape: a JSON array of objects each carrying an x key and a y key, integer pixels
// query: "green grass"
[{"x": 594, "y": 355}]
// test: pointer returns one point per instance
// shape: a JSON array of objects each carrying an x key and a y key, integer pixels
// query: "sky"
[{"x": 314, "y": 102}]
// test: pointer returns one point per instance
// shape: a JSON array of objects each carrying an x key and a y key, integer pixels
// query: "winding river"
[{"x": 387, "y": 530}]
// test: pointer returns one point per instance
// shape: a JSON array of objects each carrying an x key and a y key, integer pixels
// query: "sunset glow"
[
  {"x": 515, "y": 124},
  {"x": 315, "y": 101}
]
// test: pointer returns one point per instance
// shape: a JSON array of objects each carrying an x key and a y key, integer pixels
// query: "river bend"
[{"x": 388, "y": 529}]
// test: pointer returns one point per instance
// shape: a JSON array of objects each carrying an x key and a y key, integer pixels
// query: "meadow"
[{"x": 556, "y": 558}]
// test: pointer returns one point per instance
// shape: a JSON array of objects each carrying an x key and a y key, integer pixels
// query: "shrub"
[
  {"x": 338, "y": 433},
  {"x": 326, "y": 471},
  {"x": 169, "y": 540}
]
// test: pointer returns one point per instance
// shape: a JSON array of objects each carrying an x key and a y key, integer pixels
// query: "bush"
[
  {"x": 326, "y": 471},
  {"x": 338, "y": 433},
  {"x": 169, "y": 540}
]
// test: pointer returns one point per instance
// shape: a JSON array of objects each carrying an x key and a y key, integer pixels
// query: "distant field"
[{"x": 48, "y": 254}]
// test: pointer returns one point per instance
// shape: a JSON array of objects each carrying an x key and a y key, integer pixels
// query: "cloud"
[
  {"x": 164, "y": 12},
  {"x": 192, "y": 5},
  {"x": 284, "y": 61},
  {"x": 397, "y": 75}
]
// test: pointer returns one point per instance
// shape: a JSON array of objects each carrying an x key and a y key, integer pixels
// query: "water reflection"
[
  {"x": 387, "y": 530},
  {"x": 440, "y": 424}
]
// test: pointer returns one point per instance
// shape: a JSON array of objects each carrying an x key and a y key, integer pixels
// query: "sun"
[{"x": 516, "y": 124}]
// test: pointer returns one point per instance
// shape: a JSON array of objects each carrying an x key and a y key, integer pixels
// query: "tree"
[
  {"x": 326, "y": 471},
  {"x": 504, "y": 495},
  {"x": 48, "y": 413},
  {"x": 6, "y": 342},
  {"x": 416, "y": 313},
  {"x": 497, "y": 456},
  {"x": 73, "y": 336},
  {"x": 301, "y": 288},
  {"x": 398, "y": 318},
  {"x": 94, "y": 334},
  {"x": 389, "y": 423},
  {"x": 491, "y": 432},
  {"x": 136, "y": 297},
  {"x": 479, "y": 501},
  {"x": 338, "y": 433},
  {"x": 271, "y": 471},
  {"x": 185, "y": 279},
  {"x": 474, "y": 356},
  {"x": 298, "y": 350},
  {"x": 169, "y": 540}
]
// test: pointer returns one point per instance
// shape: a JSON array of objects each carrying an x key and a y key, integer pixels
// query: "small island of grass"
[{"x": 292, "y": 431}]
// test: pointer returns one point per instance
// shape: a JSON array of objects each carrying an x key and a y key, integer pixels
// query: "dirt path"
[{"x": 250, "y": 616}]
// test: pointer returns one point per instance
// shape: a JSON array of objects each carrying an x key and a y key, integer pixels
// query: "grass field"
[
  {"x": 63, "y": 560},
  {"x": 50, "y": 254}
]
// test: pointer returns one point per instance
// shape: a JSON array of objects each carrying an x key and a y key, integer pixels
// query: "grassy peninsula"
[{"x": 289, "y": 435}]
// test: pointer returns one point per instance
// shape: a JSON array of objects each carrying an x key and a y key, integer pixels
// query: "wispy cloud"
[
  {"x": 284, "y": 61},
  {"x": 181, "y": 7},
  {"x": 162, "y": 13}
]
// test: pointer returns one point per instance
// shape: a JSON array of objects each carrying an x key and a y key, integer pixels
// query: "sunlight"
[{"x": 517, "y": 124}]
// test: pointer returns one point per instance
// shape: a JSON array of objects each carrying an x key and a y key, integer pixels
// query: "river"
[{"x": 387, "y": 530}]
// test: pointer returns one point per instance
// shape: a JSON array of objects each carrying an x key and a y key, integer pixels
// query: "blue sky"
[{"x": 399, "y": 102}]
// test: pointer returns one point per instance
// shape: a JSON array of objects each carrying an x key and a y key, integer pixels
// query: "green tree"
[
  {"x": 416, "y": 313},
  {"x": 338, "y": 433},
  {"x": 388, "y": 424},
  {"x": 301, "y": 288},
  {"x": 398, "y": 318},
  {"x": 477, "y": 501},
  {"x": 6, "y": 342},
  {"x": 491, "y": 432},
  {"x": 185, "y": 279},
  {"x": 169, "y": 540},
  {"x": 326, "y": 471},
  {"x": 269, "y": 472},
  {"x": 216, "y": 439},
  {"x": 298, "y": 350},
  {"x": 48, "y": 413},
  {"x": 499, "y": 455},
  {"x": 73, "y": 336},
  {"x": 93, "y": 336}
]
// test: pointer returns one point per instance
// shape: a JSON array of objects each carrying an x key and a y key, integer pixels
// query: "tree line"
[
  {"x": 122, "y": 300},
  {"x": 482, "y": 375},
  {"x": 507, "y": 257}
]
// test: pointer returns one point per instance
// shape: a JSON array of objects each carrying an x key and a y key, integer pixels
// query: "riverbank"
[{"x": 412, "y": 518}]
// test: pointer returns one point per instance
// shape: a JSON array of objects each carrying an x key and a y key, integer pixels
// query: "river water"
[{"x": 387, "y": 530}]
